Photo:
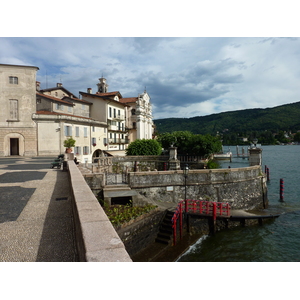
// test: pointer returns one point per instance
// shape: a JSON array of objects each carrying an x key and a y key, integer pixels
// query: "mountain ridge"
[{"x": 284, "y": 117}]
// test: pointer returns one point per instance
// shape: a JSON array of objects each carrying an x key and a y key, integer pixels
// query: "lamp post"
[{"x": 255, "y": 142}]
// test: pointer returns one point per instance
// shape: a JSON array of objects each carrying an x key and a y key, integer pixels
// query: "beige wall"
[{"x": 21, "y": 127}]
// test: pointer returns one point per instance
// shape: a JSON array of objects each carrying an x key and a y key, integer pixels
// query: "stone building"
[
  {"x": 36, "y": 121},
  {"x": 18, "y": 104}
]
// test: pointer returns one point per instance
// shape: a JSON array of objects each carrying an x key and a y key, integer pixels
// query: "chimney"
[
  {"x": 38, "y": 86},
  {"x": 89, "y": 90},
  {"x": 59, "y": 85}
]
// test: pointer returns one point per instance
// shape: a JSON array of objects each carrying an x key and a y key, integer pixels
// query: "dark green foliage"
[
  {"x": 231, "y": 126},
  {"x": 213, "y": 164},
  {"x": 188, "y": 143},
  {"x": 144, "y": 147}
]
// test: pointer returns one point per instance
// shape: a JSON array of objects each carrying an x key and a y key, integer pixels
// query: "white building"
[
  {"x": 61, "y": 115},
  {"x": 108, "y": 108},
  {"x": 36, "y": 122}
]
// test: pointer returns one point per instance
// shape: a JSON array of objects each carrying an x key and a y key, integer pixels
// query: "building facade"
[
  {"x": 37, "y": 122},
  {"x": 18, "y": 103}
]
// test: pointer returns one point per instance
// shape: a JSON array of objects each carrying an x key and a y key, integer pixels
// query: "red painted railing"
[{"x": 207, "y": 208}]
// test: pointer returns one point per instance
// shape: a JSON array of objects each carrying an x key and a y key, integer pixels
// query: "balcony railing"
[{"x": 118, "y": 141}]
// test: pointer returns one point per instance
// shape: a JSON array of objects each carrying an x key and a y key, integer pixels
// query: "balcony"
[
  {"x": 118, "y": 141},
  {"x": 116, "y": 128},
  {"x": 118, "y": 118}
]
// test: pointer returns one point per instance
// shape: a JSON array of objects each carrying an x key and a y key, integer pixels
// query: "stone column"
[
  {"x": 174, "y": 163},
  {"x": 255, "y": 155}
]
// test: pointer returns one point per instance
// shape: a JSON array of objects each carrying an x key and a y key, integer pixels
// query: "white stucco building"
[{"x": 36, "y": 122}]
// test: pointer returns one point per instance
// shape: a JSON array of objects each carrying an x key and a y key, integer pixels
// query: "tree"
[
  {"x": 191, "y": 144},
  {"x": 144, "y": 147}
]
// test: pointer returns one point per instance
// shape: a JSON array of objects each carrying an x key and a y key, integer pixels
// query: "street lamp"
[{"x": 255, "y": 142}]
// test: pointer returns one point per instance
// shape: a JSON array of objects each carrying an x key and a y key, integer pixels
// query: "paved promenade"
[{"x": 36, "y": 222}]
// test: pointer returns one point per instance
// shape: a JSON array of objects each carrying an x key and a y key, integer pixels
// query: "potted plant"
[{"x": 69, "y": 144}]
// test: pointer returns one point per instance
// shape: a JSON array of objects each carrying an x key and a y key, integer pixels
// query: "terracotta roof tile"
[{"x": 128, "y": 100}]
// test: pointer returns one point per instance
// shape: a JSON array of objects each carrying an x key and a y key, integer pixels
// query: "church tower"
[{"x": 102, "y": 85}]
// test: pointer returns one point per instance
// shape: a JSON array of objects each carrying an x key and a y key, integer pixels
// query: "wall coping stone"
[{"x": 97, "y": 239}]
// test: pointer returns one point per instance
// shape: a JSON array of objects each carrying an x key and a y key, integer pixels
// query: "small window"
[
  {"x": 77, "y": 131},
  {"x": 85, "y": 132},
  {"x": 77, "y": 150},
  {"x": 13, "y": 80},
  {"x": 68, "y": 130},
  {"x": 85, "y": 150},
  {"x": 133, "y": 112}
]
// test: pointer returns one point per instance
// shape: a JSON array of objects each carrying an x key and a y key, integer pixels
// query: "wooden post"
[{"x": 281, "y": 189}]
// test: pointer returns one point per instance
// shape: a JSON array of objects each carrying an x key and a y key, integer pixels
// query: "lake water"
[{"x": 277, "y": 240}]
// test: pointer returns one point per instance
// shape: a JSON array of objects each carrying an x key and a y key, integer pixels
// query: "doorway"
[{"x": 14, "y": 146}]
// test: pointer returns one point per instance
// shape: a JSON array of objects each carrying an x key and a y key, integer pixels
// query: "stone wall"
[
  {"x": 142, "y": 232},
  {"x": 97, "y": 240},
  {"x": 243, "y": 188}
]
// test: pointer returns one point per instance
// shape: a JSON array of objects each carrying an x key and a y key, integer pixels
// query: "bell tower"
[{"x": 102, "y": 85}]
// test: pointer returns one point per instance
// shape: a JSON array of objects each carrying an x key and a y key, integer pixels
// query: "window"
[
  {"x": 13, "y": 80},
  {"x": 77, "y": 150},
  {"x": 94, "y": 142},
  {"x": 93, "y": 128},
  {"x": 77, "y": 131},
  {"x": 114, "y": 112},
  {"x": 59, "y": 106},
  {"x": 110, "y": 112},
  {"x": 68, "y": 130},
  {"x": 133, "y": 111},
  {"x": 85, "y": 131},
  {"x": 85, "y": 150},
  {"x": 13, "y": 110},
  {"x": 119, "y": 112},
  {"x": 69, "y": 109}
]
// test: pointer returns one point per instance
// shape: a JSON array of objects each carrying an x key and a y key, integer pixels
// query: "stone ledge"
[{"x": 97, "y": 239}]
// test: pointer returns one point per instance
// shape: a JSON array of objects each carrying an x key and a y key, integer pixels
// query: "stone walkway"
[{"x": 36, "y": 222}]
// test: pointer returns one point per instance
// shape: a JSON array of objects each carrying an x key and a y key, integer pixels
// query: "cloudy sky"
[{"x": 184, "y": 76}]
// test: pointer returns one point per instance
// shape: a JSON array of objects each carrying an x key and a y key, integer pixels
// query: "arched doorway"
[{"x": 14, "y": 144}]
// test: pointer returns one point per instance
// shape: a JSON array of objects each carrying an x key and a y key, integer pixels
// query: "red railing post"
[
  {"x": 180, "y": 220},
  {"x": 214, "y": 211},
  {"x": 174, "y": 232},
  {"x": 201, "y": 207}
]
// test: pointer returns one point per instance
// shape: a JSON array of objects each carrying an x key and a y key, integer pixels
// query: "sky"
[{"x": 185, "y": 76}]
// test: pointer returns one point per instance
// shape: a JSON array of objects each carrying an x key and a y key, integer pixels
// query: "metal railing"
[{"x": 207, "y": 208}]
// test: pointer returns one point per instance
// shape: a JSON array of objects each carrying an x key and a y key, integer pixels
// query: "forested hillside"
[
  {"x": 234, "y": 124},
  {"x": 284, "y": 117}
]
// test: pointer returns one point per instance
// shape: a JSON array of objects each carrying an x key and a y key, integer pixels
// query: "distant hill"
[{"x": 284, "y": 117}]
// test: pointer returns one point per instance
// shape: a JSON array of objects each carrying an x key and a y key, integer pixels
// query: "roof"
[
  {"x": 110, "y": 94},
  {"x": 57, "y": 88},
  {"x": 54, "y": 99},
  {"x": 104, "y": 96},
  {"x": 7, "y": 65},
  {"x": 77, "y": 99},
  {"x": 129, "y": 100}
]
